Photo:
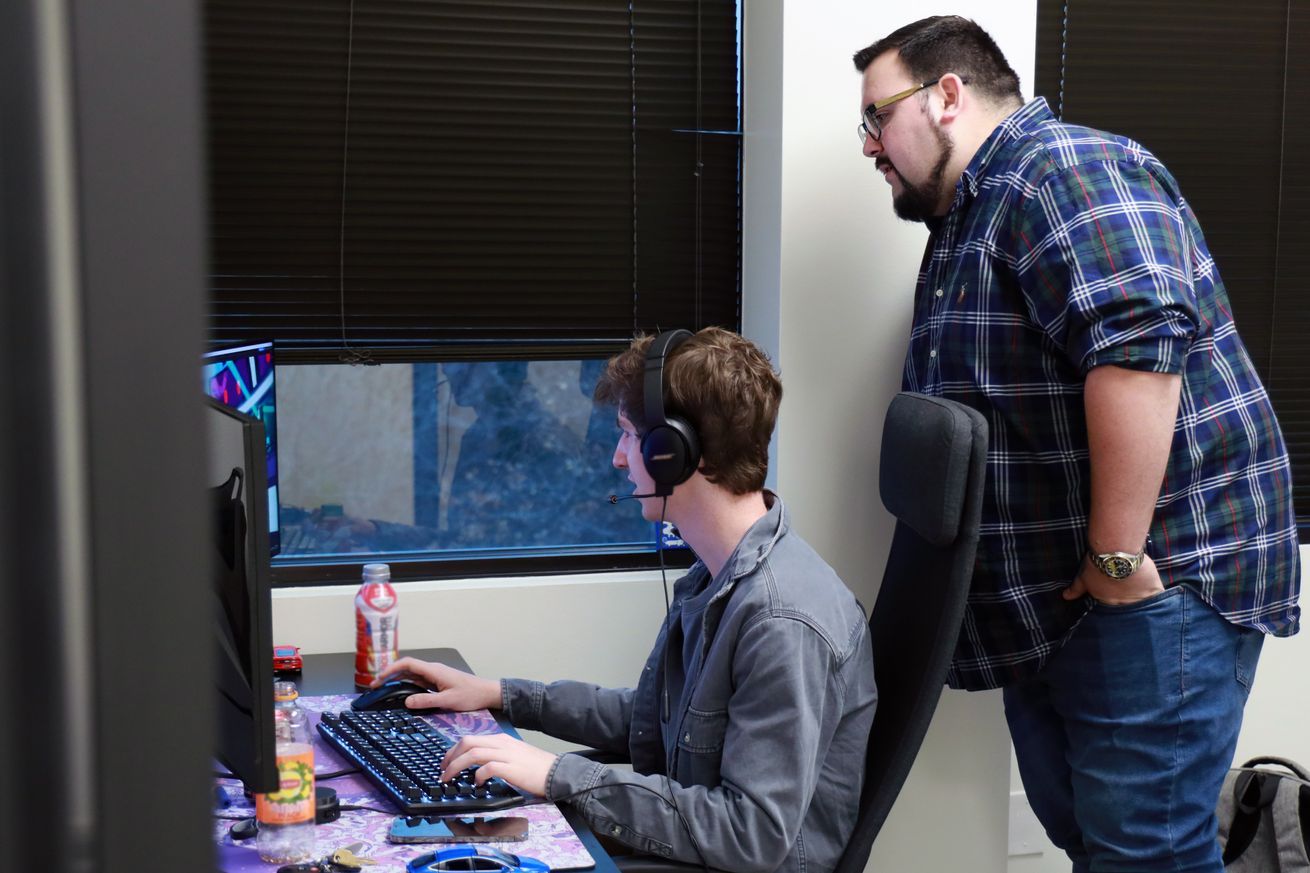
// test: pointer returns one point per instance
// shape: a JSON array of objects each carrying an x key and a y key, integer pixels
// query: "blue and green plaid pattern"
[{"x": 1066, "y": 248}]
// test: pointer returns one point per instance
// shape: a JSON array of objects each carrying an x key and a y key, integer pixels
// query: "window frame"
[{"x": 299, "y": 573}]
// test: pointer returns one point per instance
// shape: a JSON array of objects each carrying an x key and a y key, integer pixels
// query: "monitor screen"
[
  {"x": 243, "y": 626},
  {"x": 241, "y": 377}
]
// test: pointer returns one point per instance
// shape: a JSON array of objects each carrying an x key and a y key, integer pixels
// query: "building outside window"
[{"x": 466, "y": 457}]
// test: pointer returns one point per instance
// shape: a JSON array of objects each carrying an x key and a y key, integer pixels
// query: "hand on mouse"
[
  {"x": 520, "y": 764},
  {"x": 456, "y": 690}
]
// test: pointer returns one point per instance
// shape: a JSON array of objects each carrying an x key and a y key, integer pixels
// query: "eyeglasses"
[{"x": 871, "y": 126}]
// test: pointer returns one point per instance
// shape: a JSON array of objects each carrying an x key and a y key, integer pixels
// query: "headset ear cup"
[
  {"x": 671, "y": 454},
  {"x": 669, "y": 447},
  {"x": 691, "y": 461}
]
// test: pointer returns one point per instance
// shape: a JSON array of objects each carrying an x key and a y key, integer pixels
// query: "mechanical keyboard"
[{"x": 401, "y": 754}]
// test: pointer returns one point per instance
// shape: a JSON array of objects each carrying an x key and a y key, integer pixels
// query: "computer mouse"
[{"x": 388, "y": 695}]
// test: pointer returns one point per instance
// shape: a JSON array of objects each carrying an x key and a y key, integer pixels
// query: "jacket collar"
[
  {"x": 758, "y": 541},
  {"x": 751, "y": 551}
]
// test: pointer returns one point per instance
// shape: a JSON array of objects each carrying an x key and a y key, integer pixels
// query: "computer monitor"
[
  {"x": 241, "y": 377},
  {"x": 243, "y": 625}
]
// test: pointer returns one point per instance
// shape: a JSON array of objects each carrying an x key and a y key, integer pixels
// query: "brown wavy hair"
[{"x": 723, "y": 385}]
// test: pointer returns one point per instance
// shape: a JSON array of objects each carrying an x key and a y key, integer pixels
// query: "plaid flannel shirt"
[{"x": 1066, "y": 248}]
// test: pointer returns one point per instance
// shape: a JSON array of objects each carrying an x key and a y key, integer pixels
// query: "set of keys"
[{"x": 341, "y": 861}]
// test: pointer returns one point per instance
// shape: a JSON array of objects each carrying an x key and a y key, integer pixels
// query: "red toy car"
[{"x": 286, "y": 659}]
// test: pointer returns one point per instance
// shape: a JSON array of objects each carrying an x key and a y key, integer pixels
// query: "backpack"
[{"x": 1264, "y": 818}]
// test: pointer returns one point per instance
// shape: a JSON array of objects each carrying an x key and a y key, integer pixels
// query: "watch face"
[{"x": 1117, "y": 567}]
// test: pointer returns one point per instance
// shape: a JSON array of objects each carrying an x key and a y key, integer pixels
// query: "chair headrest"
[{"x": 923, "y": 471}]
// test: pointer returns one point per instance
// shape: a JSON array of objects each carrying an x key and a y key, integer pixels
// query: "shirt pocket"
[{"x": 700, "y": 746}]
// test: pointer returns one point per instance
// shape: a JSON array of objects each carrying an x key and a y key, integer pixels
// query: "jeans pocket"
[
  {"x": 1138, "y": 605},
  {"x": 1249, "y": 645}
]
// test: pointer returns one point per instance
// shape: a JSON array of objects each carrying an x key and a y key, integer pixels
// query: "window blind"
[
  {"x": 1219, "y": 93},
  {"x": 419, "y": 179}
]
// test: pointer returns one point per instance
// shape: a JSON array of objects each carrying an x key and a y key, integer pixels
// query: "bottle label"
[
  {"x": 380, "y": 597},
  {"x": 376, "y": 646},
  {"x": 293, "y": 802}
]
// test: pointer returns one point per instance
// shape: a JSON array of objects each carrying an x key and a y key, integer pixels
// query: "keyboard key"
[{"x": 401, "y": 754}]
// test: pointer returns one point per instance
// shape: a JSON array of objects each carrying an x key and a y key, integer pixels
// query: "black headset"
[{"x": 669, "y": 447}]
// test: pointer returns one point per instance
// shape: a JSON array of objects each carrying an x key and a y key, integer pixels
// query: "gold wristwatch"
[{"x": 1118, "y": 565}]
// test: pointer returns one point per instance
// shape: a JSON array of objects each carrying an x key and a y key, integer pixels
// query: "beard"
[{"x": 919, "y": 202}]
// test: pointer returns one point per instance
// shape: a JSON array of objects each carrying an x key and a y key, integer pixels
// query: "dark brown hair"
[
  {"x": 932, "y": 47},
  {"x": 723, "y": 385}
]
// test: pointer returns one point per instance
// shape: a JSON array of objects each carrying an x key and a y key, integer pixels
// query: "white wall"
[
  {"x": 596, "y": 626},
  {"x": 835, "y": 295},
  {"x": 1279, "y": 706}
]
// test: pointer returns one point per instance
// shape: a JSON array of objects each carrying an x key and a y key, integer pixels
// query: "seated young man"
[{"x": 747, "y": 728}]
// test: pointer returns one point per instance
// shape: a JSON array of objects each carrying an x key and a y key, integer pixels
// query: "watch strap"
[{"x": 1118, "y": 565}]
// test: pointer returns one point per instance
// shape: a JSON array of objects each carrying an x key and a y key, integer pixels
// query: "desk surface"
[{"x": 334, "y": 674}]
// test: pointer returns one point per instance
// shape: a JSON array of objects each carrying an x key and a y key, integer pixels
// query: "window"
[
  {"x": 1220, "y": 96},
  {"x": 471, "y": 462},
  {"x": 498, "y": 193}
]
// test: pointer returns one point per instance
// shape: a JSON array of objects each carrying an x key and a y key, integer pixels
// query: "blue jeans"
[{"x": 1124, "y": 737}]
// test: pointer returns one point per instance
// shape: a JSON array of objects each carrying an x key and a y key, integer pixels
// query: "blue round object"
[{"x": 474, "y": 857}]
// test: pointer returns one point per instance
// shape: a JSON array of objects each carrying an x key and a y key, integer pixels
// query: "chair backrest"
[{"x": 931, "y": 474}]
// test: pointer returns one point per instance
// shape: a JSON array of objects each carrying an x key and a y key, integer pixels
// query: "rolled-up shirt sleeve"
[{"x": 1104, "y": 266}]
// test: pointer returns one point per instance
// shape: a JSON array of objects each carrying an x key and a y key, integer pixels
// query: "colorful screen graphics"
[{"x": 242, "y": 377}]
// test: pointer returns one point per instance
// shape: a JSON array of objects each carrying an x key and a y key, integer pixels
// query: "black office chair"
[{"x": 931, "y": 474}]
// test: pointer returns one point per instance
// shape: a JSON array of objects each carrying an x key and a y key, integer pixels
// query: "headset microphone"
[{"x": 615, "y": 498}]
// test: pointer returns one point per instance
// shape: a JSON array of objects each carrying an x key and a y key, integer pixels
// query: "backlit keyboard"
[{"x": 401, "y": 754}]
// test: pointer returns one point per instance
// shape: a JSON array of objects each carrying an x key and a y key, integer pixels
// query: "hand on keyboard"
[
  {"x": 402, "y": 754},
  {"x": 499, "y": 755}
]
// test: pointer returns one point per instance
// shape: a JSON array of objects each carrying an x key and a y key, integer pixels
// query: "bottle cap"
[
  {"x": 284, "y": 690},
  {"x": 377, "y": 572}
]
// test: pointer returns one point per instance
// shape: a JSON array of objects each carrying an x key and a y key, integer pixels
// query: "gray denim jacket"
[{"x": 770, "y": 673}]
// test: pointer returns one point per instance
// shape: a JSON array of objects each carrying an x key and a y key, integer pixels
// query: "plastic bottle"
[
  {"x": 286, "y": 817},
  {"x": 376, "y": 619}
]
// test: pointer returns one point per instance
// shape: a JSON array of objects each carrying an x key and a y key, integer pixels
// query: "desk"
[{"x": 333, "y": 674}]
